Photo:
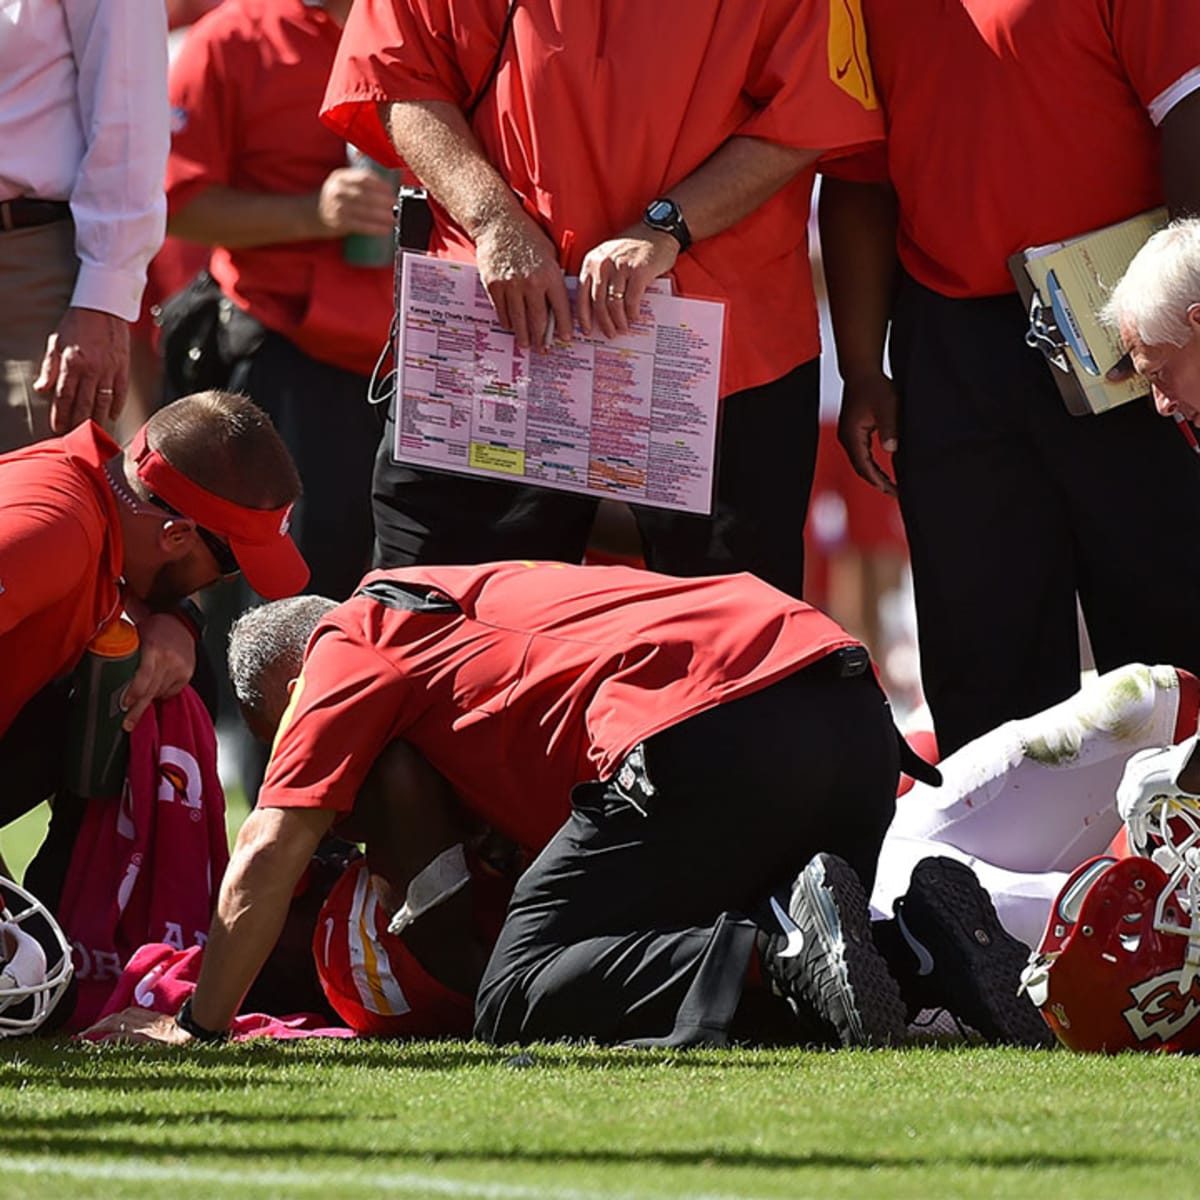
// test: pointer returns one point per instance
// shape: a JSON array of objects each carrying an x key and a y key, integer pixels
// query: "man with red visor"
[{"x": 88, "y": 530}]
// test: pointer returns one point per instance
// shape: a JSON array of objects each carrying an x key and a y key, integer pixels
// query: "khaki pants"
[{"x": 37, "y": 275}]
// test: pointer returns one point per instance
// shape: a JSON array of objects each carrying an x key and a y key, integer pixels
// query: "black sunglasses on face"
[{"x": 226, "y": 563}]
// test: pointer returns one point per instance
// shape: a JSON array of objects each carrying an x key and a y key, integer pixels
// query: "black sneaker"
[
  {"x": 825, "y": 964},
  {"x": 966, "y": 961}
]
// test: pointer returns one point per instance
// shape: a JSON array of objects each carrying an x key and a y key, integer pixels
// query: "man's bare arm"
[
  {"x": 1180, "y": 162},
  {"x": 858, "y": 249},
  {"x": 273, "y": 848},
  {"x": 737, "y": 178},
  {"x": 351, "y": 200},
  {"x": 518, "y": 263}
]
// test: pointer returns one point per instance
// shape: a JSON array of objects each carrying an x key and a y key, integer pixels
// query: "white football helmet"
[
  {"x": 1162, "y": 822},
  {"x": 35, "y": 961}
]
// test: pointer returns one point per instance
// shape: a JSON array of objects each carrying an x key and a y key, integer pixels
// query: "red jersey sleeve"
[
  {"x": 397, "y": 51},
  {"x": 1158, "y": 43},
  {"x": 41, "y": 559},
  {"x": 863, "y": 166},
  {"x": 813, "y": 81},
  {"x": 345, "y": 708},
  {"x": 203, "y": 140}
]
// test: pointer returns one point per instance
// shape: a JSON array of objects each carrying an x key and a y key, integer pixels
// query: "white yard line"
[{"x": 404, "y": 1183}]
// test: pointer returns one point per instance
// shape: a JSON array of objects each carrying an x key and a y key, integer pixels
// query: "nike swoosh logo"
[
  {"x": 794, "y": 943},
  {"x": 924, "y": 958},
  {"x": 841, "y": 71}
]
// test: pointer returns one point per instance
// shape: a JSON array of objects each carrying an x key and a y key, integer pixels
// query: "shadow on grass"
[
  {"x": 53, "y": 1135},
  {"x": 102, "y": 1067}
]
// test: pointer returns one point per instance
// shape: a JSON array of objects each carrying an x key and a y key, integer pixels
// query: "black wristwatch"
[
  {"x": 192, "y": 615},
  {"x": 666, "y": 216},
  {"x": 186, "y": 1022}
]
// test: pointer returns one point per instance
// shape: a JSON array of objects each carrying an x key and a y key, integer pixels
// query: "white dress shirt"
[{"x": 84, "y": 118}]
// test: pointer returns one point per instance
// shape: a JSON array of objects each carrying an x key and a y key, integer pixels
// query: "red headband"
[{"x": 258, "y": 537}]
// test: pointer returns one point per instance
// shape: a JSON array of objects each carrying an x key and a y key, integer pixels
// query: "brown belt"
[{"x": 22, "y": 213}]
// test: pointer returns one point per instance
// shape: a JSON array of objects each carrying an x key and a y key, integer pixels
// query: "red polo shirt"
[
  {"x": 61, "y": 556},
  {"x": 245, "y": 90},
  {"x": 1013, "y": 123},
  {"x": 600, "y": 107},
  {"x": 536, "y": 677}
]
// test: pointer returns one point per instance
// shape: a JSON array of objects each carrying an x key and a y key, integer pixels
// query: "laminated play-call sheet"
[{"x": 634, "y": 418}]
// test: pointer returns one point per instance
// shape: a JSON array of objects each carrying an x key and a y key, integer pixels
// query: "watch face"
[{"x": 660, "y": 210}]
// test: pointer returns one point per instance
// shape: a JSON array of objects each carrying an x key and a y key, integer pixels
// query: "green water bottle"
[
  {"x": 370, "y": 249},
  {"x": 97, "y": 746}
]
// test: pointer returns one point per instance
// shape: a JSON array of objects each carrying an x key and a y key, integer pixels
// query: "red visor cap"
[{"x": 258, "y": 537}]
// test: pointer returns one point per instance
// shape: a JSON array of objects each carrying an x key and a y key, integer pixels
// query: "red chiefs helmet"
[
  {"x": 370, "y": 977},
  {"x": 1115, "y": 969}
]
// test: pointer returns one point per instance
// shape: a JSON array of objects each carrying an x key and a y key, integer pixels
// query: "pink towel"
[
  {"x": 147, "y": 869},
  {"x": 160, "y": 978}
]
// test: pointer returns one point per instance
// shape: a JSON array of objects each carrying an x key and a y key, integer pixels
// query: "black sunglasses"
[{"x": 226, "y": 563}]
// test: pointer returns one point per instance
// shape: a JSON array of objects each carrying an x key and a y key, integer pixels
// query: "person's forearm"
[
  {"x": 274, "y": 846},
  {"x": 1180, "y": 162},
  {"x": 858, "y": 252},
  {"x": 436, "y": 142},
  {"x": 740, "y": 175},
  {"x": 223, "y": 216}
]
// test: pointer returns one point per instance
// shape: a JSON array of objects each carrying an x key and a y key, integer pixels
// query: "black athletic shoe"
[
  {"x": 825, "y": 963},
  {"x": 967, "y": 962}
]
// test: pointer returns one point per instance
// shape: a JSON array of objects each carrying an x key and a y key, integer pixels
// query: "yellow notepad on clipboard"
[{"x": 1064, "y": 285}]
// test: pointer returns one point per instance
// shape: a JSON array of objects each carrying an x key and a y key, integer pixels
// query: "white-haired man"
[{"x": 1156, "y": 306}]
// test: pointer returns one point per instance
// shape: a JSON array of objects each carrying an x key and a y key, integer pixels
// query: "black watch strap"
[
  {"x": 186, "y": 1022},
  {"x": 666, "y": 216},
  {"x": 192, "y": 615}
]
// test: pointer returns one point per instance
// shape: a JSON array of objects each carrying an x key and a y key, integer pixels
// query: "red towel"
[
  {"x": 160, "y": 978},
  {"x": 147, "y": 869}
]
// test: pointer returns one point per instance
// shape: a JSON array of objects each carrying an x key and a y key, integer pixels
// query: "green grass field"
[
  {"x": 366, "y": 1119},
  {"x": 363, "y": 1119}
]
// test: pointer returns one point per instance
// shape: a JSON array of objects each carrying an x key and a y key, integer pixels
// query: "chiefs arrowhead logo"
[{"x": 1163, "y": 1008}]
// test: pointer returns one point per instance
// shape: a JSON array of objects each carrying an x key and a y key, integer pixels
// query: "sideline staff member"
[
  {"x": 1066, "y": 117},
  {"x": 697, "y": 164},
  {"x": 712, "y": 736},
  {"x": 87, "y": 528}
]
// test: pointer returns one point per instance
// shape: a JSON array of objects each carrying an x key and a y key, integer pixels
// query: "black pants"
[
  {"x": 1012, "y": 506},
  {"x": 766, "y": 455},
  {"x": 631, "y": 927},
  {"x": 323, "y": 417}
]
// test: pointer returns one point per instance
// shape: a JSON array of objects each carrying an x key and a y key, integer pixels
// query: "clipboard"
[{"x": 1063, "y": 285}]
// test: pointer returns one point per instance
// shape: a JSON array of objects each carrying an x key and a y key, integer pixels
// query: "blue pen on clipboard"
[{"x": 1064, "y": 318}]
